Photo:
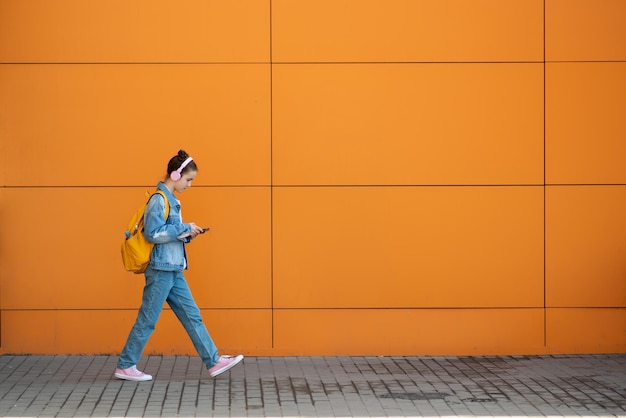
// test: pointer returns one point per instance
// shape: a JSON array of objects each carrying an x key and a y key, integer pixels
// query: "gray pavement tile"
[{"x": 82, "y": 386}]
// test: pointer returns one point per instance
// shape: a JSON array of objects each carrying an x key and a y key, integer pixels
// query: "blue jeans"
[{"x": 171, "y": 287}]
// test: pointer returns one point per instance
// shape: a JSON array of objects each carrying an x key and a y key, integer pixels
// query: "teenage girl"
[{"x": 165, "y": 281}]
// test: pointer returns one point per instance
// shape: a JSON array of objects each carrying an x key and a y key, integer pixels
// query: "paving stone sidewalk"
[{"x": 535, "y": 386}]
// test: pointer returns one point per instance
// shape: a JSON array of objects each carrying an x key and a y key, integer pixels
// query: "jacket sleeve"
[{"x": 156, "y": 230}]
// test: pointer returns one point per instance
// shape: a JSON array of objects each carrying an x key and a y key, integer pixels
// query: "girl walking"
[{"x": 165, "y": 281}]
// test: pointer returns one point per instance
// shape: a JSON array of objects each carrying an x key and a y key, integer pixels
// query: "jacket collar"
[{"x": 170, "y": 196}]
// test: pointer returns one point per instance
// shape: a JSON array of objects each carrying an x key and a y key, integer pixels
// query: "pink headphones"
[{"x": 176, "y": 175}]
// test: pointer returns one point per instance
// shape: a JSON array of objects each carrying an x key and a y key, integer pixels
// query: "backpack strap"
[{"x": 167, "y": 203}]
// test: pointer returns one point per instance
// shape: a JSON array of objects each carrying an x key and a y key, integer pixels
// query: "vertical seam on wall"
[
  {"x": 271, "y": 58},
  {"x": 545, "y": 243}
]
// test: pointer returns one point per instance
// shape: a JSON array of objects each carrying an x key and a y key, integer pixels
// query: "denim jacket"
[{"x": 169, "y": 251}]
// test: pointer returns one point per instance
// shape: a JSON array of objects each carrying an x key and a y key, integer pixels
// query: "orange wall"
[{"x": 381, "y": 177}]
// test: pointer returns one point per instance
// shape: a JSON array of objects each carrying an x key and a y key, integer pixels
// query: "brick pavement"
[{"x": 82, "y": 386}]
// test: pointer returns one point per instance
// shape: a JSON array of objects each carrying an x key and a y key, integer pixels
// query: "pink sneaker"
[
  {"x": 132, "y": 374},
  {"x": 224, "y": 363}
]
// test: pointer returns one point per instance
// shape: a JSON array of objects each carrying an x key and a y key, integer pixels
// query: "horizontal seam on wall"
[
  {"x": 301, "y": 62},
  {"x": 423, "y": 308}
]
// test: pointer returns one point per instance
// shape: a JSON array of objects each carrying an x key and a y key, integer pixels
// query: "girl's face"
[{"x": 185, "y": 181}]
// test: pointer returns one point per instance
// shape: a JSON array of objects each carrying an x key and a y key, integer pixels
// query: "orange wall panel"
[
  {"x": 409, "y": 331},
  {"x": 407, "y": 124},
  {"x": 236, "y": 252},
  {"x": 436, "y": 177},
  {"x": 73, "y": 259},
  {"x": 104, "y": 125},
  {"x": 105, "y": 331},
  {"x": 385, "y": 247},
  {"x": 582, "y": 331},
  {"x": 233, "y": 331},
  {"x": 137, "y": 31},
  {"x": 586, "y": 246},
  {"x": 585, "y": 126},
  {"x": 69, "y": 245},
  {"x": 585, "y": 30},
  {"x": 407, "y": 30},
  {"x": 29, "y": 331}
]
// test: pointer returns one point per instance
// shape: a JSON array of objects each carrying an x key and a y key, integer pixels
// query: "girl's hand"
[{"x": 195, "y": 230}]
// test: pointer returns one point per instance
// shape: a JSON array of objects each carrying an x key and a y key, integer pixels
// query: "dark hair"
[{"x": 178, "y": 160}]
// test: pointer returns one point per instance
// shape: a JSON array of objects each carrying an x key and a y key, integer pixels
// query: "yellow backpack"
[{"x": 135, "y": 249}]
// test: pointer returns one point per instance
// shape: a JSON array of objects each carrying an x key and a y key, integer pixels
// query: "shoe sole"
[
  {"x": 227, "y": 368},
  {"x": 133, "y": 379}
]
